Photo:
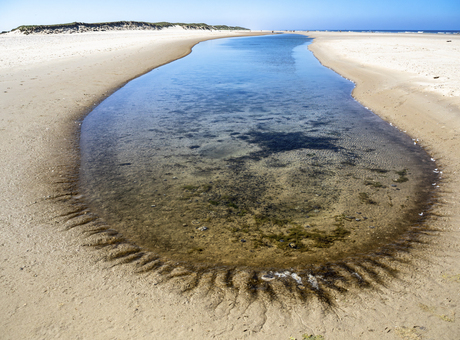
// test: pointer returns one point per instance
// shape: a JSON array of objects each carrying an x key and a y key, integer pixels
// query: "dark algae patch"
[
  {"x": 276, "y": 142},
  {"x": 402, "y": 176},
  {"x": 249, "y": 164}
]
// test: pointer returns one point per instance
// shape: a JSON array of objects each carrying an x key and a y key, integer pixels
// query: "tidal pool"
[{"x": 250, "y": 153}]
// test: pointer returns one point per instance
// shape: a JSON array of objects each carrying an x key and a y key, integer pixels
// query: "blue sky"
[{"x": 254, "y": 14}]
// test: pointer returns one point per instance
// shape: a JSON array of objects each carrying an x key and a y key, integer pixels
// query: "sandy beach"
[{"x": 53, "y": 286}]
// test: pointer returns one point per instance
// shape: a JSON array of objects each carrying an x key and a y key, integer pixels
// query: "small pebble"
[
  {"x": 184, "y": 225},
  {"x": 371, "y": 226},
  {"x": 203, "y": 228},
  {"x": 292, "y": 245},
  {"x": 358, "y": 219},
  {"x": 281, "y": 240},
  {"x": 394, "y": 185},
  {"x": 153, "y": 205},
  {"x": 174, "y": 177},
  {"x": 243, "y": 240}
]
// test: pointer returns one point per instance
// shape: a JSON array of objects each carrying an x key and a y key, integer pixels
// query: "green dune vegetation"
[{"x": 79, "y": 27}]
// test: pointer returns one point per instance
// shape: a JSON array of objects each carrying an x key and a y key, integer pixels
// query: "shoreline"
[
  {"x": 399, "y": 97},
  {"x": 430, "y": 114},
  {"x": 64, "y": 290}
]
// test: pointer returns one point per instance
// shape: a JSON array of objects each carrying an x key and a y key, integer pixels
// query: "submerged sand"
[{"x": 53, "y": 286}]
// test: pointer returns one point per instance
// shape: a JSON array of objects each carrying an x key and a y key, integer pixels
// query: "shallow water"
[{"x": 248, "y": 152}]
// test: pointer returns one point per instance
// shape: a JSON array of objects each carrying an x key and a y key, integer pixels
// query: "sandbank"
[{"x": 53, "y": 286}]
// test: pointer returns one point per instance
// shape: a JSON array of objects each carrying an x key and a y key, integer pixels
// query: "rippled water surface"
[{"x": 249, "y": 152}]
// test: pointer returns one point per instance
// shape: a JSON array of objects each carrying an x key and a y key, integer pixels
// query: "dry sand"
[{"x": 53, "y": 286}]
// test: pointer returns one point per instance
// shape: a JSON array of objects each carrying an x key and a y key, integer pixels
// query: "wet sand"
[{"x": 53, "y": 286}]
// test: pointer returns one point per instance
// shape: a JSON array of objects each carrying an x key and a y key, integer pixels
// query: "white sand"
[
  {"x": 421, "y": 57},
  {"x": 53, "y": 287},
  {"x": 19, "y": 50}
]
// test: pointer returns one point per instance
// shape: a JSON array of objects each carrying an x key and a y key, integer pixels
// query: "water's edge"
[{"x": 160, "y": 263}]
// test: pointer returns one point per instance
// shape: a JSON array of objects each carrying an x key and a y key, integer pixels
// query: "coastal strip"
[{"x": 81, "y": 27}]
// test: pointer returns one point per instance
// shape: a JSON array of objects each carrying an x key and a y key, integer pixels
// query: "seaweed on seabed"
[
  {"x": 364, "y": 198},
  {"x": 293, "y": 238},
  {"x": 402, "y": 176}
]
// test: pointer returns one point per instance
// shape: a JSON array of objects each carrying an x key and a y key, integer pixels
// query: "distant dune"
[{"x": 80, "y": 27}]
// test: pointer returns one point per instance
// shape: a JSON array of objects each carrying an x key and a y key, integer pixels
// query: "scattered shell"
[
  {"x": 371, "y": 226},
  {"x": 297, "y": 278},
  {"x": 203, "y": 228},
  {"x": 267, "y": 277},
  {"x": 312, "y": 280},
  {"x": 283, "y": 274},
  {"x": 357, "y": 275},
  {"x": 293, "y": 245}
]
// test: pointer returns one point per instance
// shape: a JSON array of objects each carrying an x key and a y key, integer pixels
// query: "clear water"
[{"x": 248, "y": 152}]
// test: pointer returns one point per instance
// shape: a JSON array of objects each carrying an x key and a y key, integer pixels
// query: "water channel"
[{"x": 248, "y": 152}]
